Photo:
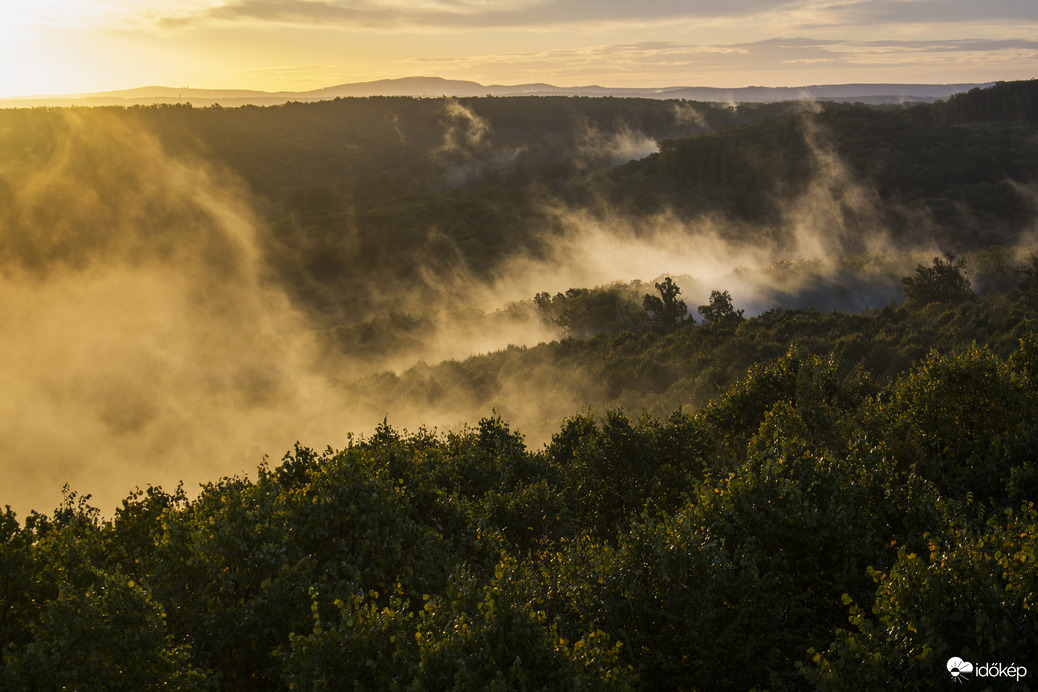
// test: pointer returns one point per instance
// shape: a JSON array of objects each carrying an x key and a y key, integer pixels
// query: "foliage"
[
  {"x": 1027, "y": 288},
  {"x": 720, "y": 310},
  {"x": 827, "y": 499},
  {"x": 944, "y": 417},
  {"x": 968, "y": 593},
  {"x": 667, "y": 310},
  {"x": 724, "y": 545},
  {"x": 584, "y": 312},
  {"x": 74, "y": 622},
  {"x": 1004, "y": 101},
  {"x": 364, "y": 201},
  {"x": 944, "y": 282}
]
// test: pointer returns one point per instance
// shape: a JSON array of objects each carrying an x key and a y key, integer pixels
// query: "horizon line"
[{"x": 231, "y": 92}]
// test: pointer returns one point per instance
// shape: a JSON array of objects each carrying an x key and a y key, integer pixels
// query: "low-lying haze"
[{"x": 149, "y": 339}]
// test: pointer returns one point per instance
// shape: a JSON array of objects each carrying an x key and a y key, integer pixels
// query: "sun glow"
[
  {"x": 82, "y": 46},
  {"x": 14, "y": 25},
  {"x": 31, "y": 50}
]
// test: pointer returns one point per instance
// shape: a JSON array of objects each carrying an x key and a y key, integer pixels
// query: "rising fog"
[
  {"x": 142, "y": 340},
  {"x": 147, "y": 339}
]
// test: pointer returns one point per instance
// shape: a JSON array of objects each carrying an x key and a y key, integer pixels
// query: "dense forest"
[
  {"x": 696, "y": 396},
  {"x": 371, "y": 200}
]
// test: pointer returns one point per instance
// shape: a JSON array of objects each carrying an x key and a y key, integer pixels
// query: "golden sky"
[{"x": 78, "y": 46}]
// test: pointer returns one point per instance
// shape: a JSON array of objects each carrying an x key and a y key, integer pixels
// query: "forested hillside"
[
  {"x": 672, "y": 395},
  {"x": 648, "y": 369},
  {"x": 804, "y": 529},
  {"x": 370, "y": 200}
]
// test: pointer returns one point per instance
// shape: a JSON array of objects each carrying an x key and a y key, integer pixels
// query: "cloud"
[
  {"x": 647, "y": 60},
  {"x": 304, "y": 12},
  {"x": 531, "y": 14},
  {"x": 873, "y": 12},
  {"x": 143, "y": 341},
  {"x": 713, "y": 42},
  {"x": 458, "y": 14}
]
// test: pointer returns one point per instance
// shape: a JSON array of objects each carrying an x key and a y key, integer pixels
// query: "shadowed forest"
[{"x": 612, "y": 394}]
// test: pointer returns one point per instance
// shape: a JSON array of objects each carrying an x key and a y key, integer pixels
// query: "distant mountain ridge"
[{"x": 433, "y": 87}]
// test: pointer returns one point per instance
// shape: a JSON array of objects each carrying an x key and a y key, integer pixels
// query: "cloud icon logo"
[{"x": 957, "y": 667}]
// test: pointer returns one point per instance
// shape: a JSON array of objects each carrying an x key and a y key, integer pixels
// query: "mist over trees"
[
  {"x": 673, "y": 395},
  {"x": 368, "y": 200},
  {"x": 625, "y": 553}
]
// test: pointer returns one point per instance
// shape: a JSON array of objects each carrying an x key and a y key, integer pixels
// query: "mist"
[
  {"x": 143, "y": 342},
  {"x": 151, "y": 335},
  {"x": 830, "y": 250}
]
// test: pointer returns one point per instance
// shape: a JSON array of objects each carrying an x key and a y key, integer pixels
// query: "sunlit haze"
[
  {"x": 470, "y": 344},
  {"x": 81, "y": 46}
]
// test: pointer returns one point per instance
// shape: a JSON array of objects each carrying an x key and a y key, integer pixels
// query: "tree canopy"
[
  {"x": 801, "y": 530},
  {"x": 720, "y": 310},
  {"x": 943, "y": 282},
  {"x": 797, "y": 499},
  {"x": 666, "y": 310}
]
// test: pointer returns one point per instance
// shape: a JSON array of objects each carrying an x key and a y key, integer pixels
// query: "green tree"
[
  {"x": 943, "y": 416},
  {"x": 719, "y": 310},
  {"x": 110, "y": 635},
  {"x": 667, "y": 310},
  {"x": 968, "y": 594},
  {"x": 79, "y": 623},
  {"x": 944, "y": 282},
  {"x": 1027, "y": 288}
]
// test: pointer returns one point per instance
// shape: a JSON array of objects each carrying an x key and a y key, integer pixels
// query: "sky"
[{"x": 83, "y": 46}]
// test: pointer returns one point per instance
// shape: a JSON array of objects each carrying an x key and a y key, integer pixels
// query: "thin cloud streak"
[
  {"x": 462, "y": 14},
  {"x": 439, "y": 14},
  {"x": 873, "y": 12},
  {"x": 768, "y": 55}
]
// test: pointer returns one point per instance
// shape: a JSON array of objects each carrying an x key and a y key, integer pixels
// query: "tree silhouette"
[
  {"x": 944, "y": 282},
  {"x": 720, "y": 310},
  {"x": 667, "y": 310},
  {"x": 1027, "y": 288}
]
